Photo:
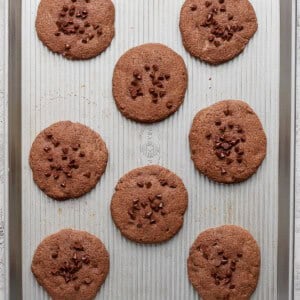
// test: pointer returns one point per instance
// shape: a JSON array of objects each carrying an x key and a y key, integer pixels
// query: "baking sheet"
[{"x": 55, "y": 89}]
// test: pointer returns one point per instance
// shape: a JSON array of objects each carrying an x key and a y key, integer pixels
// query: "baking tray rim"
[{"x": 287, "y": 133}]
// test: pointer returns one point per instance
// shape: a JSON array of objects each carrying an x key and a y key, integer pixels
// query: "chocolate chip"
[
  {"x": 223, "y": 171},
  {"x": 85, "y": 259},
  {"x": 148, "y": 214},
  {"x": 211, "y": 38},
  {"x": 140, "y": 184},
  {"x": 87, "y": 280},
  {"x": 78, "y": 246},
  {"x": 67, "y": 47},
  {"x": 99, "y": 32},
  {"x": 208, "y": 3},
  {"x": 208, "y": 136},
  {"x": 56, "y": 176},
  {"x": 163, "y": 182},
  {"x": 229, "y": 161},
  {"x": 75, "y": 147},
  {"x": 243, "y": 139},
  {"x": 193, "y": 7},
  {"x": 162, "y": 94},
  {"x": 217, "y": 43},
  {"x": 152, "y": 221},
  {"x": 81, "y": 30},
  {"x": 147, "y": 67},
  {"x": 169, "y": 104},
  {"x": 240, "y": 255},
  {"x": 84, "y": 41},
  {"x": 167, "y": 76},
  {"x": 232, "y": 286},
  {"x": 82, "y": 154},
  {"x": 155, "y": 68},
  {"x": 54, "y": 255},
  {"x": 91, "y": 36},
  {"x": 57, "y": 33},
  {"x": 148, "y": 185},
  {"x": 47, "y": 149},
  {"x": 47, "y": 174},
  {"x": 230, "y": 17},
  {"x": 223, "y": 8},
  {"x": 218, "y": 122},
  {"x": 173, "y": 185},
  {"x": 63, "y": 185}
]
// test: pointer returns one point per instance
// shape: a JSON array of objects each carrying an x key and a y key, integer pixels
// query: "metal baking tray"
[{"x": 44, "y": 88}]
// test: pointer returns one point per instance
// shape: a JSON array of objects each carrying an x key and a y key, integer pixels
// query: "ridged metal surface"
[{"x": 56, "y": 89}]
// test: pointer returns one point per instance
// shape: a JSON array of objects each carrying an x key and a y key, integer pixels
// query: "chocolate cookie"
[
  {"x": 227, "y": 141},
  {"x": 149, "y": 83},
  {"x": 67, "y": 160},
  {"x": 224, "y": 263},
  {"x": 148, "y": 204},
  {"x": 217, "y": 30},
  {"x": 77, "y": 29},
  {"x": 71, "y": 265}
]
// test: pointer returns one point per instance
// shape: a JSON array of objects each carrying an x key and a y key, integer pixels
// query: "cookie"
[
  {"x": 227, "y": 141},
  {"x": 148, "y": 204},
  {"x": 224, "y": 263},
  {"x": 71, "y": 265},
  {"x": 217, "y": 30},
  {"x": 67, "y": 160},
  {"x": 77, "y": 29},
  {"x": 149, "y": 83}
]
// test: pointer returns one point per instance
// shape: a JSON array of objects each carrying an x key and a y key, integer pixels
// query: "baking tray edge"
[
  {"x": 14, "y": 151},
  {"x": 287, "y": 126},
  {"x": 286, "y": 150}
]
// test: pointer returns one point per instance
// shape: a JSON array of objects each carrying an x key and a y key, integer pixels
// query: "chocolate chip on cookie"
[
  {"x": 67, "y": 160},
  {"x": 149, "y": 83},
  {"x": 217, "y": 31},
  {"x": 227, "y": 141},
  {"x": 77, "y": 29},
  {"x": 224, "y": 263},
  {"x": 148, "y": 204},
  {"x": 71, "y": 264}
]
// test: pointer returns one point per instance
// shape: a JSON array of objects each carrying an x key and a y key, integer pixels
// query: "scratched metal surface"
[
  {"x": 297, "y": 204},
  {"x": 3, "y": 148}
]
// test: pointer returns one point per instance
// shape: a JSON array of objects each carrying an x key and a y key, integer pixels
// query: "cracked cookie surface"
[
  {"x": 217, "y": 30},
  {"x": 224, "y": 263},
  {"x": 227, "y": 141},
  {"x": 149, "y": 83},
  {"x": 71, "y": 264},
  {"x": 67, "y": 160},
  {"x": 76, "y": 29},
  {"x": 149, "y": 203}
]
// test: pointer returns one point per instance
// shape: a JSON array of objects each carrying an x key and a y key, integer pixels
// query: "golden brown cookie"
[
  {"x": 149, "y": 83},
  {"x": 148, "y": 204},
  {"x": 77, "y": 29},
  {"x": 71, "y": 265},
  {"x": 67, "y": 160},
  {"x": 227, "y": 141},
  {"x": 224, "y": 263},
  {"x": 217, "y": 30}
]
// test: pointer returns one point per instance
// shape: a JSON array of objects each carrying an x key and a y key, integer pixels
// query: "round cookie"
[
  {"x": 71, "y": 265},
  {"x": 67, "y": 160},
  {"x": 149, "y": 83},
  {"x": 224, "y": 263},
  {"x": 217, "y": 30},
  {"x": 227, "y": 141},
  {"x": 77, "y": 29},
  {"x": 148, "y": 204}
]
